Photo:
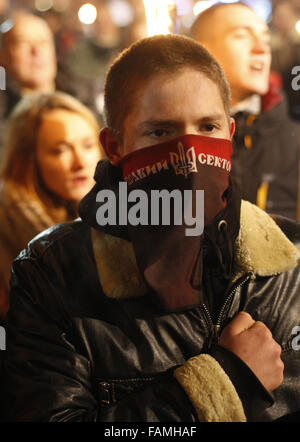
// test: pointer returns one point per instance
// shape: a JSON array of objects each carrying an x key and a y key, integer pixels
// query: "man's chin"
[
  {"x": 37, "y": 82},
  {"x": 259, "y": 87}
]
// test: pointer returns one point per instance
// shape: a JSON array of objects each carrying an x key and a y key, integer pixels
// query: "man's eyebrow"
[
  {"x": 213, "y": 117},
  {"x": 157, "y": 123},
  {"x": 265, "y": 31}
]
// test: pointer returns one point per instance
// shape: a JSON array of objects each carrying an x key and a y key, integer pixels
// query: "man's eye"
[
  {"x": 241, "y": 34},
  {"x": 157, "y": 133},
  {"x": 209, "y": 127}
]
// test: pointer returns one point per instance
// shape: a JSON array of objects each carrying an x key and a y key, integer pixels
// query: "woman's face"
[{"x": 67, "y": 154}]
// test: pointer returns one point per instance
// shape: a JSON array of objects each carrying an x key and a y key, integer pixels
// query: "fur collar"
[{"x": 260, "y": 249}]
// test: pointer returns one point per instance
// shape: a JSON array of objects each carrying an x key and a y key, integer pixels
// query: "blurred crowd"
[
  {"x": 58, "y": 92},
  {"x": 52, "y": 106},
  {"x": 285, "y": 28},
  {"x": 84, "y": 51}
]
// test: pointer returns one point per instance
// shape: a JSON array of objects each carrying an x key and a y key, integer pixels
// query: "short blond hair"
[{"x": 147, "y": 58}]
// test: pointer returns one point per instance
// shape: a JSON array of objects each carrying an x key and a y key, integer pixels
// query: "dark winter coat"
[{"x": 86, "y": 340}]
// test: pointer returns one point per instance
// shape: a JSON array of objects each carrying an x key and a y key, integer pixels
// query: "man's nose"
[
  {"x": 190, "y": 129},
  {"x": 35, "y": 49},
  {"x": 261, "y": 46}
]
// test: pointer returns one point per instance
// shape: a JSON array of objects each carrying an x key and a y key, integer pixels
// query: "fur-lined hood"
[{"x": 261, "y": 249}]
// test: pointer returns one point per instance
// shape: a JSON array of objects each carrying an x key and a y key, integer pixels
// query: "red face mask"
[{"x": 166, "y": 256}]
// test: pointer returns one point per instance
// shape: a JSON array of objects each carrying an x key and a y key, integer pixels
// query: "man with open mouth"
[{"x": 266, "y": 140}]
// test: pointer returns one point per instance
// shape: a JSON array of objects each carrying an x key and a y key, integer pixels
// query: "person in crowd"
[
  {"x": 28, "y": 53},
  {"x": 28, "y": 56},
  {"x": 48, "y": 165},
  {"x": 266, "y": 142},
  {"x": 119, "y": 316},
  {"x": 285, "y": 45},
  {"x": 5, "y": 7}
]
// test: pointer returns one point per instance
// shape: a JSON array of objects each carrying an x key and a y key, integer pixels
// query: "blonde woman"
[{"x": 48, "y": 163}]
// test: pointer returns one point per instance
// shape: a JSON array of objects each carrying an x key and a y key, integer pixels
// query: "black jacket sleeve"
[
  {"x": 255, "y": 398},
  {"x": 46, "y": 378}
]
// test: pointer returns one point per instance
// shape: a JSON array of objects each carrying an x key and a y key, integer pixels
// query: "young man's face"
[
  {"x": 169, "y": 106},
  {"x": 239, "y": 40}
]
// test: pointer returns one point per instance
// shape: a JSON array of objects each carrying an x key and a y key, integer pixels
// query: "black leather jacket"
[{"x": 76, "y": 354}]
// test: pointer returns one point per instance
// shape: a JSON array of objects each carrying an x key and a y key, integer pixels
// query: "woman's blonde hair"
[{"x": 19, "y": 169}]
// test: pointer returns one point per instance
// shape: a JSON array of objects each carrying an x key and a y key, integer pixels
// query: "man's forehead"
[
  {"x": 157, "y": 87},
  {"x": 163, "y": 96},
  {"x": 29, "y": 26},
  {"x": 167, "y": 78},
  {"x": 237, "y": 16}
]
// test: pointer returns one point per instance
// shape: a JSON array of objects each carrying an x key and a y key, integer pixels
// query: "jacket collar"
[{"x": 261, "y": 249}]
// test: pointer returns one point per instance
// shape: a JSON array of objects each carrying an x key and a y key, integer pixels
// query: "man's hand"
[{"x": 253, "y": 343}]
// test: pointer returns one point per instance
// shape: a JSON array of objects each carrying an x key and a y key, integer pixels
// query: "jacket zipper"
[{"x": 215, "y": 328}]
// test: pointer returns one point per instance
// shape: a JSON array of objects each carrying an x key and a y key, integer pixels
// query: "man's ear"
[
  {"x": 232, "y": 127},
  {"x": 111, "y": 145}
]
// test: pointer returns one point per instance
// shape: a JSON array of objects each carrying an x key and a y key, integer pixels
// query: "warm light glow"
[
  {"x": 158, "y": 16},
  {"x": 201, "y": 6},
  {"x": 87, "y": 14},
  {"x": 61, "y": 5},
  {"x": 121, "y": 12},
  {"x": 43, "y": 5},
  {"x": 298, "y": 26},
  {"x": 263, "y": 8}
]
